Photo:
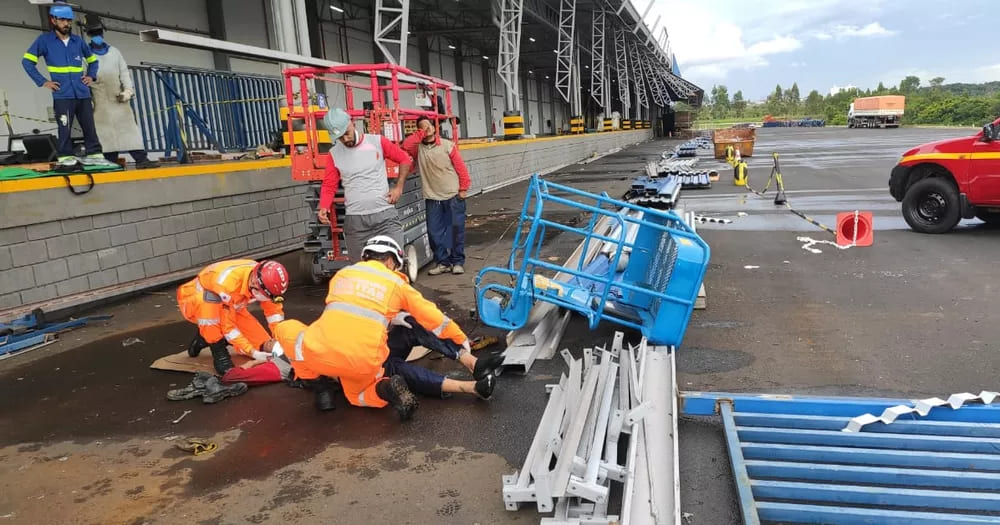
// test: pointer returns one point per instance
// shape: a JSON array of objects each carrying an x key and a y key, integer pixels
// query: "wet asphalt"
[{"x": 909, "y": 316}]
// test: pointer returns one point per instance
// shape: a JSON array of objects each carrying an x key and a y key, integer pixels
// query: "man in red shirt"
[
  {"x": 445, "y": 182},
  {"x": 357, "y": 160}
]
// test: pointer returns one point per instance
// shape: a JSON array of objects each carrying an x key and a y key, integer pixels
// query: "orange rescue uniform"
[
  {"x": 217, "y": 300},
  {"x": 349, "y": 340}
]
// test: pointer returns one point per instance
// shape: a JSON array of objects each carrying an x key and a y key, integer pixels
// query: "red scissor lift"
[{"x": 324, "y": 252}]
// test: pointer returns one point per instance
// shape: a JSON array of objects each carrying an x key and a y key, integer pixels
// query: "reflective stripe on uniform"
[
  {"x": 368, "y": 269},
  {"x": 440, "y": 329},
  {"x": 298, "y": 346},
  {"x": 65, "y": 69},
  {"x": 233, "y": 334},
  {"x": 227, "y": 271},
  {"x": 208, "y": 322},
  {"x": 360, "y": 311},
  {"x": 276, "y": 318},
  {"x": 211, "y": 297},
  {"x": 91, "y": 59},
  {"x": 361, "y": 399},
  {"x": 31, "y": 57}
]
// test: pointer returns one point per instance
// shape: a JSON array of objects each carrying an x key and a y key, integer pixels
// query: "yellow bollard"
[{"x": 740, "y": 173}]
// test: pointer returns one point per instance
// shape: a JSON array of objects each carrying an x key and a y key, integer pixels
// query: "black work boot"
[
  {"x": 395, "y": 392},
  {"x": 485, "y": 386},
  {"x": 324, "y": 394},
  {"x": 195, "y": 346},
  {"x": 195, "y": 389},
  {"x": 486, "y": 365},
  {"x": 221, "y": 358},
  {"x": 216, "y": 391}
]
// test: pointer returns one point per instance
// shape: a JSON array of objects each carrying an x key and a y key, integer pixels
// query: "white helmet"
[{"x": 384, "y": 244}]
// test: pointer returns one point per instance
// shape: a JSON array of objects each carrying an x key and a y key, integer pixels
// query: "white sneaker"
[
  {"x": 439, "y": 269},
  {"x": 457, "y": 269},
  {"x": 97, "y": 159},
  {"x": 67, "y": 162}
]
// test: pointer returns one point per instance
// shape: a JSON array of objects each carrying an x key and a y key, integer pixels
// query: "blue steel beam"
[
  {"x": 874, "y": 475},
  {"x": 791, "y": 436},
  {"x": 790, "y": 512},
  {"x": 704, "y": 404},
  {"x": 870, "y": 456},
  {"x": 942, "y": 428},
  {"x": 871, "y": 495},
  {"x": 747, "y": 504}
]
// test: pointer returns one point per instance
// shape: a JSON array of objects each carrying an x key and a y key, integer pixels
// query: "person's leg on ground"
[
  {"x": 436, "y": 229},
  {"x": 419, "y": 379},
  {"x": 141, "y": 159},
  {"x": 65, "y": 113},
  {"x": 457, "y": 244},
  {"x": 111, "y": 156},
  {"x": 402, "y": 340},
  {"x": 482, "y": 388}
]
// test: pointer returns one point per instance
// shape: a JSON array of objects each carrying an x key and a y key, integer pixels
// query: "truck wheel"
[
  {"x": 991, "y": 218},
  {"x": 931, "y": 205}
]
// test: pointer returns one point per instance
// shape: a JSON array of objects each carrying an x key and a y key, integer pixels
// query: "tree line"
[{"x": 936, "y": 103}]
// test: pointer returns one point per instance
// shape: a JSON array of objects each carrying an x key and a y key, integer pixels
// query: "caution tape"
[
  {"x": 810, "y": 242},
  {"x": 22, "y": 117},
  {"x": 780, "y": 186}
]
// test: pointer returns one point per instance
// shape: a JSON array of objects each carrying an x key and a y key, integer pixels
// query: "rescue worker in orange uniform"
[
  {"x": 351, "y": 340},
  {"x": 217, "y": 300}
]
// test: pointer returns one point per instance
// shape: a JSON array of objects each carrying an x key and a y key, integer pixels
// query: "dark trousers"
[
  {"x": 446, "y": 230},
  {"x": 419, "y": 379},
  {"x": 138, "y": 155},
  {"x": 81, "y": 109}
]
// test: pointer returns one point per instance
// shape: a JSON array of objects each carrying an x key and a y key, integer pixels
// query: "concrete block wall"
[
  {"x": 498, "y": 164},
  {"x": 43, "y": 261},
  {"x": 65, "y": 257}
]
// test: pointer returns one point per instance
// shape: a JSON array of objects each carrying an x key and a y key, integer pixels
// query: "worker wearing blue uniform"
[{"x": 66, "y": 56}]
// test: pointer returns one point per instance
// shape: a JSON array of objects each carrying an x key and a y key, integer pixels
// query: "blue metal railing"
[{"x": 219, "y": 110}]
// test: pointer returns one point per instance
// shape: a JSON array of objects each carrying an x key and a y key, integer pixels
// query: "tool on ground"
[
  {"x": 184, "y": 415},
  {"x": 32, "y": 330},
  {"x": 653, "y": 289},
  {"x": 484, "y": 341},
  {"x": 197, "y": 446}
]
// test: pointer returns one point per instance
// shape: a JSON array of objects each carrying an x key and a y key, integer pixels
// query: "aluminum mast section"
[
  {"x": 511, "y": 12},
  {"x": 392, "y": 32},
  {"x": 622, "y": 67},
  {"x": 576, "y": 102}
]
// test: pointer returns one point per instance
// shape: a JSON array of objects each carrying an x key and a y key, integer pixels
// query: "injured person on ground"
[{"x": 372, "y": 320}]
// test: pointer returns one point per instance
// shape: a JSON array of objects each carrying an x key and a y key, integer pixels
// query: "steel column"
[
  {"x": 622, "y": 68},
  {"x": 391, "y": 25},
  {"x": 510, "y": 51},
  {"x": 641, "y": 103},
  {"x": 597, "y": 59},
  {"x": 564, "y": 49}
]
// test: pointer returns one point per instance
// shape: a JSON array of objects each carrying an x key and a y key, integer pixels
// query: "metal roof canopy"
[
  {"x": 163, "y": 36},
  {"x": 793, "y": 463}
]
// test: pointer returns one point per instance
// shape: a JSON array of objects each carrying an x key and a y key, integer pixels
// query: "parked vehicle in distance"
[
  {"x": 876, "y": 112},
  {"x": 940, "y": 183}
]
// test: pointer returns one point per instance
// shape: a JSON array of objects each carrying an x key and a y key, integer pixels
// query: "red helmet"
[{"x": 271, "y": 279}]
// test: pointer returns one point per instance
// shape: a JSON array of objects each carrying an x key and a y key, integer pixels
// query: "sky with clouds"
[{"x": 752, "y": 45}]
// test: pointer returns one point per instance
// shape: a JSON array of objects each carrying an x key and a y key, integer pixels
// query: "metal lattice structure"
[
  {"x": 597, "y": 68},
  {"x": 392, "y": 19},
  {"x": 641, "y": 102},
  {"x": 511, "y": 12},
  {"x": 622, "y": 66},
  {"x": 564, "y": 49},
  {"x": 657, "y": 88}
]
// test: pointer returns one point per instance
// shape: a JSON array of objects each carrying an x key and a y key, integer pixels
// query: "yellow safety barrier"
[{"x": 513, "y": 126}]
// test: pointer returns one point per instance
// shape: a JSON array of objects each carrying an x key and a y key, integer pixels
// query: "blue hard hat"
[
  {"x": 336, "y": 121},
  {"x": 61, "y": 11}
]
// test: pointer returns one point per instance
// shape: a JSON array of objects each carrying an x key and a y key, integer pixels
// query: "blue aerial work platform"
[{"x": 649, "y": 281}]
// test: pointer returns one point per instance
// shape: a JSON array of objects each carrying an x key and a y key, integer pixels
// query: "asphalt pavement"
[{"x": 86, "y": 434}]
